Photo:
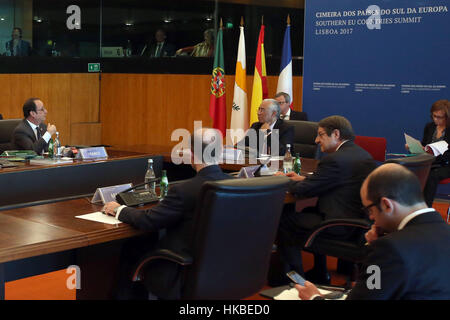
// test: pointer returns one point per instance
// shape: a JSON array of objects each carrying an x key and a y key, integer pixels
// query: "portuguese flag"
[{"x": 217, "y": 103}]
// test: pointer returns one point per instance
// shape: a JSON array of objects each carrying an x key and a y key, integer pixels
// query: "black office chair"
[
  {"x": 420, "y": 165},
  {"x": 305, "y": 133},
  {"x": 352, "y": 249},
  {"x": 7, "y": 127},
  {"x": 235, "y": 226}
]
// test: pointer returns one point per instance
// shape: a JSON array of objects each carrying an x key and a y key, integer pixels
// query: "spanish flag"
[
  {"x": 217, "y": 103},
  {"x": 239, "y": 112},
  {"x": 260, "y": 91}
]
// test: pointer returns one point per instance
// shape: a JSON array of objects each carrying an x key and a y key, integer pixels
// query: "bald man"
[
  {"x": 408, "y": 242},
  {"x": 174, "y": 215}
]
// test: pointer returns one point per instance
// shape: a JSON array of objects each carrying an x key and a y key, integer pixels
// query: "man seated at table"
[
  {"x": 408, "y": 242},
  {"x": 174, "y": 215},
  {"x": 284, "y": 100},
  {"x": 32, "y": 133},
  {"x": 336, "y": 183},
  {"x": 268, "y": 120}
]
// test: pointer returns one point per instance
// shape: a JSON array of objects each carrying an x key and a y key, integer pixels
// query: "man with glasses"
[
  {"x": 408, "y": 242},
  {"x": 336, "y": 183},
  {"x": 285, "y": 105},
  {"x": 268, "y": 121},
  {"x": 32, "y": 133}
]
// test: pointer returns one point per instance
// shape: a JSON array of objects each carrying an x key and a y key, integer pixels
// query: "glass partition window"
[{"x": 144, "y": 29}]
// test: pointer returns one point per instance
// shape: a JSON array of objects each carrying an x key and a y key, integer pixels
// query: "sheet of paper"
[
  {"x": 415, "y": 146},
  {"x": 99, "y": 217},
  {"x": 292, "y": 294}
]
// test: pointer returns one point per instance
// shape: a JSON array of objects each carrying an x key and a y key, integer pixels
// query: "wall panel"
[{"x": 145, "y": 108}]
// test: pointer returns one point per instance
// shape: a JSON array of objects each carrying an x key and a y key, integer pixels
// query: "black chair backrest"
[
  {"x": 419, "y": 164},
  {"x": 235, "y": 227},
  {"x": 7, "y": 127},
  {"x": 305, "y": 133}
]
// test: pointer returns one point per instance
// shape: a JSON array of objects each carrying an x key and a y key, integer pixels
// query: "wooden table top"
[
  {"x": 48, "y": 228},
  {"x": 113, "y": 155}
]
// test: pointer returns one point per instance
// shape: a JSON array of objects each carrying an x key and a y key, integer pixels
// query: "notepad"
[
  {"x": 292, "y": 294},
  {"x": 99, "y": 217},
  {"x": 415, "y": 146}
]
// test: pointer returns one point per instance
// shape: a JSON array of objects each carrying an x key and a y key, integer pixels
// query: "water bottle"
[
  {"x": 164, "y": 185},
  {"x": 57, "y": 147},
  {"x": 149, "y": 175},
  {"x": 297, "y": 164},
  {"x": 128, "y": 49},
  {"x": 50, "y": 149},
  {"x": 287, "y": 161}
]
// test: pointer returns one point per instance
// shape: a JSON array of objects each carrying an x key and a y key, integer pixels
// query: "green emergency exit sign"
[{"x": 94, "y": 67}]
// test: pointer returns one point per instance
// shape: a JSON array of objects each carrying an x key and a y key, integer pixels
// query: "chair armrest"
[
  {"x": 164, "y": 254},
  {"x": 359, "y": 223}
]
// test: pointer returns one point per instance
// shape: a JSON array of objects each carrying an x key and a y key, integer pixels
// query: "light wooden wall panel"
[
  {"x": 145, "y": 108},
  {"x": 14, "y": 89},
  {"x": 54, "y": 91},
  {"x": 84, "y": 97},
  {"x": 86, "y": 133},
  {"x": 69, "y": 98}
]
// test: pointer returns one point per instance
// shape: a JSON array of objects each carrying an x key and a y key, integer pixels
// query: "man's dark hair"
[
  {"x": 286, "y": 96},
  {"x": 340, "y": 123},
  {"x": 20, "y": 31},
  {"x": 29, "y": 106},
  {"x": 399, "y": 184}
]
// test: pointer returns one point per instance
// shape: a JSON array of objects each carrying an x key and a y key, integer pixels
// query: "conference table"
[{"x": 45, "y": 235}]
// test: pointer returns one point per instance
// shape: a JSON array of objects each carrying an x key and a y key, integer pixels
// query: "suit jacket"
[
  {"x": 23, "y": 48},
  {"x": 286, "y": 136},
  {"x": 298, "y": 115},
  {"x": 430, "y": 127},
  {"x": 337, "y": 181},
  {"x": 414, "y": 262},
  {"x": 24, "y": 138},
  {"x": 175, "y": 214},
  {"x": 167, "y": 50}
]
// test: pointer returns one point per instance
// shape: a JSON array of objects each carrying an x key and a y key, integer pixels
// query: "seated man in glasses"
[
  {"x": 32, "y": 133},
  {"x": 268, "y": 121},
  {"x": 407, "y": 251},
  {"x": 336, "y": 183}
]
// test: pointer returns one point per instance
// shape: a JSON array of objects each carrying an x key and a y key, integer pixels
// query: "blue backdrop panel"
[{"x": 379, "y": 63}]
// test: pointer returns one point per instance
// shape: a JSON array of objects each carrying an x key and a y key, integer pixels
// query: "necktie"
[
  {"x": 158, "y": 49},
  {"x": 38, "y": 133}
]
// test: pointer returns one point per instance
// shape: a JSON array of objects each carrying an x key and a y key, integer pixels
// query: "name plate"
[
  {"x": 108, "y": 194},
  {"x": 93, "y": 153},
  {"x": 232, "y": 154}
]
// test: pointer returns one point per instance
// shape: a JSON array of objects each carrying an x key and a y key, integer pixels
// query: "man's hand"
[
  {"x": 373, "y": 234},
  {"x": 307, "y": 291},
  {"x": 51, "y": 129},
  {"x": 294, "y": 176},
  {"x": 109, "y": 208}
]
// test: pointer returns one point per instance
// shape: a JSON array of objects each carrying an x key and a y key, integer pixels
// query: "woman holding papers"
[{"x": 437, "y": 130}]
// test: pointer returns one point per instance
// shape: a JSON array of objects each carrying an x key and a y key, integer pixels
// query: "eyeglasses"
[
  {"x": 320, "y": 134},
  {"x": 261, "y": 109},
  {"x": 43, "y": 109},
  {"x": 366, "y": 208},
  {"x": 437, "y": 117}
]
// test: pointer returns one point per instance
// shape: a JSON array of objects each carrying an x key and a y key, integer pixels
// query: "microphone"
[{"x": 141, "y": 184}]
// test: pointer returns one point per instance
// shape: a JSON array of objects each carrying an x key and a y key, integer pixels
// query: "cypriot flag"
[{"x": 239, "y": 113}]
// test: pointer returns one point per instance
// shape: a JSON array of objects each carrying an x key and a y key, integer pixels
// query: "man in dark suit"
[
  {"x": 16, "y": 46},
  {"x": 285, "y": 104},
  {"x": 32, "y": 133},
  {"x": 336, "y": 183},
  {"x": 160, "y": 48},
  {"x": 261, "y": 135},
  {"x": 407, "y": 244},
  {"x": 175, "y": 214}
]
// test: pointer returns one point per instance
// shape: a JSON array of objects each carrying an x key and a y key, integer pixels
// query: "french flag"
[{"x": 285, "y": 78}]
